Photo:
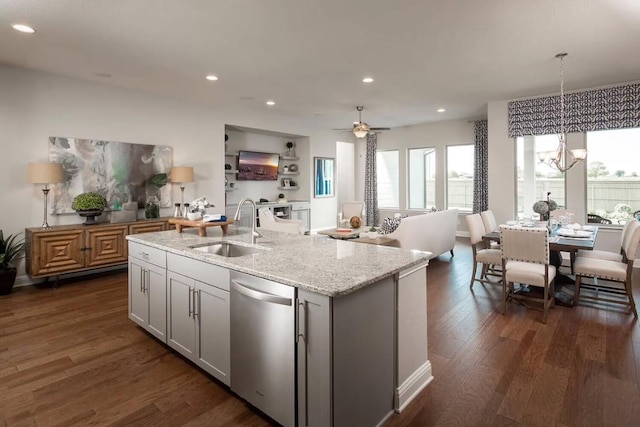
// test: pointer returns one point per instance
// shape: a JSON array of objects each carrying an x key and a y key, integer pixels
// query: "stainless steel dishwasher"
[{"x": 263, "y": 345}]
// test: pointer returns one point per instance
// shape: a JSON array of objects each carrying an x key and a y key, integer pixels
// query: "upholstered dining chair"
[
  {"x": 481, "y": 254},
  {"x": 612, "y": 271},
  {"x": 490, "y": 224},
  {"x": 627, "y": 231},
  {"x": 268, "y": 221},
  {"x": 597, "y": 219},
  {"x": 489, "y": 220},
  {"x": 525, "y": 260}
]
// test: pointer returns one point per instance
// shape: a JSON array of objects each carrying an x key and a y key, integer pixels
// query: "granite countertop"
[{"x": 315, "y": 263}]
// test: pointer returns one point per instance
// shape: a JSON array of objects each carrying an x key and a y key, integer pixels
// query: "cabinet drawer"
[
  {"x": 302, "y": 206},
  {"x": 149, "y": 254},
  {"x": 199, "y": 270}
]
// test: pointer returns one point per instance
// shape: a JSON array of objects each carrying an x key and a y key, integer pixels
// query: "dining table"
[{"x": 563, "y": 240}]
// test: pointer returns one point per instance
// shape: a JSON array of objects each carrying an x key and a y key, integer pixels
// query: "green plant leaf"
[{"x": 158, "y": 180}]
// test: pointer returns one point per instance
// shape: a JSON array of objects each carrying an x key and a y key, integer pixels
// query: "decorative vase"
[
  {"x": 90, "y": 216},
  {"x": 7, "y": 280},
  {"x": 152, "y": 207}
]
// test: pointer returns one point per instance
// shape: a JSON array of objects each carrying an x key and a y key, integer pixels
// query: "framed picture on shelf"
[{"x": 286, "y": 182}]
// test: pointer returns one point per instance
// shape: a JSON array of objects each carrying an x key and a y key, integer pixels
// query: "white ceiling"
[{"x": 311, "y": 55}]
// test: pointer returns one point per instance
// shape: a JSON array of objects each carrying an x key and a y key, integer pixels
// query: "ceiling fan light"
[{"x": 361, "y": 130}]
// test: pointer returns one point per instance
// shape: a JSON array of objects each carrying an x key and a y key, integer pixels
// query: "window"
[
  {"x": 536, "y": 179},
  {"x": 388, "y": 178},
  {"x": 422, "y": 178},
  {"x": 460, "y": 160},
  {"x": 613, "y": 185}
]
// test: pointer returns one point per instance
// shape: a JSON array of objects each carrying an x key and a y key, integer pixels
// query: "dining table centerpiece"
[{"x": 544, "y": 207}]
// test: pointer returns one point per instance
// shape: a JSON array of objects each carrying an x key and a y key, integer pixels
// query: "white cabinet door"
[
  {"x": 138, "y": 305},
  {"x": 181, "y": 333},
  {"x": 314, "y": 359},
  {"x": 213, "y": 343},
  {"x": 156, "y": 291}
]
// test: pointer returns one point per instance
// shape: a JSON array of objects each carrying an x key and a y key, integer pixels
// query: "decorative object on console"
[
  {"x": 562, "y": 159},
  {"x": 89, "y": 205},
  {"x": 180, "y": 175},
  {"x": 152, "y": 204},
  {"x": 45, "y": 173},
  {"x": 10, "y": 249},
  {"x": 116, "y": 170}
]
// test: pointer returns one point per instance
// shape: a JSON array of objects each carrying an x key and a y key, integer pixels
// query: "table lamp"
[
  {"x": 45, "y": 173},
  {"x": 180, "y": 175}
]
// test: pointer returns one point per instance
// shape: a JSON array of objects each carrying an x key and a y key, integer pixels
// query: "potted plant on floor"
[
  {"x": 10, "y": 249},
  {"x": 89, "y": 205}
]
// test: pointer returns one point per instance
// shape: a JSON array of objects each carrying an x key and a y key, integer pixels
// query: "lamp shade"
[
  {"x": 45, "y": 173},
  {"x": 182, "y": 174}
]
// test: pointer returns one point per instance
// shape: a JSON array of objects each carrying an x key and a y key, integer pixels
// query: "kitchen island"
[{"x": 357, "y": 326}]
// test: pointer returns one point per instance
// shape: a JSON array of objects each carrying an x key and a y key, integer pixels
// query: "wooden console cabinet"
[{"x": 72, "y": 248}]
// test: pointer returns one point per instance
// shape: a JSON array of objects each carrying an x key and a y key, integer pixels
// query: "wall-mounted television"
[{"x": 256, "y": 166}]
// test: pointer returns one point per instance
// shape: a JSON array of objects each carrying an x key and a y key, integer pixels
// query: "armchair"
[{"x": 268, "y": 221}]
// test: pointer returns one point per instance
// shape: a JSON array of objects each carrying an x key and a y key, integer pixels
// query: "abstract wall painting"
[{"x": 120, "y": 171}]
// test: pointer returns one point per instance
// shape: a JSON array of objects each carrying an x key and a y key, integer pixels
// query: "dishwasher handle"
[{"x": 260, "y": 296}]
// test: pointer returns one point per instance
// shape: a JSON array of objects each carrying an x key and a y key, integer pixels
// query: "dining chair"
[
  {"x": 525, "y": 260},
  {"x": 609, "y": 271},
  {"x": 481, "y": 254},
  {"x": 627, "y": 231},
  {"x": 597, "y": 219},
  {"x": 490, "y": 224},
  {"x": 268, "y": 221},
  {"x": 351, "y": 209}
]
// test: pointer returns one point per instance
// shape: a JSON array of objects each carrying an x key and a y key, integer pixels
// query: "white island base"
[
  {"x": 361, "y": 331},
  {"x": 369, "y": 347}
]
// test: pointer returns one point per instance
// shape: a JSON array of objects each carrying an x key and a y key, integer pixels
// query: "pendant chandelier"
[{"x": 562, "y": 159}]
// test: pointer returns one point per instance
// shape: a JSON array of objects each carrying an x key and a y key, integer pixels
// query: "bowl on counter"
[{"x": 194, "y": 216}]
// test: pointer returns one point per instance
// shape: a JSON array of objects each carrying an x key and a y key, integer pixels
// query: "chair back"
[
  {"x": 476, "y": 228},
  {"x": 631, "y": 246},
  {"x": 597, "y": 219},
  {"x": 627, "y": 231},
  {"x": 350, "y": 209},
  {"x": 489, "y": 220},
  {"x": 525, "y": 244},
  {"x": 265, "y": 215}
]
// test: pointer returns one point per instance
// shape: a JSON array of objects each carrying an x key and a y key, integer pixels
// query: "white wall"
[
  {"x": 345, "y": 172},
  {"x": 35, "y": 106}
]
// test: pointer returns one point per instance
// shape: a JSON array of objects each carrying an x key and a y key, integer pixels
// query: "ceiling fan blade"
[{"x": 379, "y": 128}]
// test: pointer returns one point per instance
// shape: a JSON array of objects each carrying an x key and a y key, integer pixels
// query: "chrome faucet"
[{"x": 254, "y": 233}]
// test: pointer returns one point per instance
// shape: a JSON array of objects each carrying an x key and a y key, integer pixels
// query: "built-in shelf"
[
  {"x": 289, "y": 158},
  {"x": 231, "y": 171},
  {"x": 228, "y": 189},
  {"x": 233, "y": 154},
  {"x": 289, "y": 173},
  {"x": 288, "y": 188}
]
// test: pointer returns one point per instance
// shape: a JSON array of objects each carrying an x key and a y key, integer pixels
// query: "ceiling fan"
[{"x": 362, "y": 129}]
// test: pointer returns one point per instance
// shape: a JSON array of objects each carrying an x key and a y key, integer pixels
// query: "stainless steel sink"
[{"x": 228, "y": 249}]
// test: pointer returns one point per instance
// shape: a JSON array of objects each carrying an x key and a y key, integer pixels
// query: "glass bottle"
[
  {"x": 177, "y": 212},
  {"x": 185, "y": 210}
]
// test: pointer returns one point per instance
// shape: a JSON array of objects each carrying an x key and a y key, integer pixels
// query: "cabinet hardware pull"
[
  {"x": 144, "y": 255},
  {"x": 196, "y": 303},
  {"x": 302, "y": 333},
  {"x": 260, "y": 296},
  {"x": 141, "y": 279},
  {"x": 146, "y": 280},
  {"x": 190, "y": 310}
]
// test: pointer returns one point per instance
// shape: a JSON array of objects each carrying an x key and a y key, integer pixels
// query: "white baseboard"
[{"x": 413, "y": 385}]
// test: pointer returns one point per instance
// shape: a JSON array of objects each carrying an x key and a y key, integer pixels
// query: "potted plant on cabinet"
[
  {"x": 89, "y": 205},
  {"x": 10, "y": 249}
]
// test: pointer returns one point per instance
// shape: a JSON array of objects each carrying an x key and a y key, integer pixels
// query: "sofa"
[{"x": 433, "y": 232}]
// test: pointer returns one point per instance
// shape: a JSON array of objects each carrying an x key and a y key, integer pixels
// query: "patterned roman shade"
[{"x": 598, "y": 109}]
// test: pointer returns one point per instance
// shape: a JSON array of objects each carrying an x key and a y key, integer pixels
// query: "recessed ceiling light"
[
  {"x": 212, "y": 78},
  {"x": 367, "y": 80},
  {"x": 271, "y": 103},
  {"x": 441, "y": 110},
  {"x": 23, "y": 28}
]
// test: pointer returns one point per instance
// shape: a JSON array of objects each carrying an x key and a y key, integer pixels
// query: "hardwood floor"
[{"x": 70, "y": 356}]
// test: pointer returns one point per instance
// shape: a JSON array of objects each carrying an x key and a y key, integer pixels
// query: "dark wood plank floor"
[{"x": 70, "y": 357}]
